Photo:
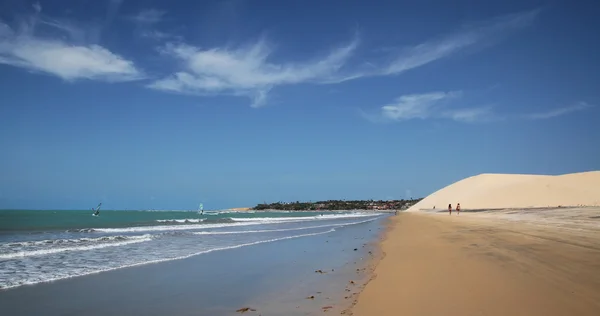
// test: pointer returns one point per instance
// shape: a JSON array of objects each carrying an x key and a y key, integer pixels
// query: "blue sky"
[{"x": 165, "y": 104}]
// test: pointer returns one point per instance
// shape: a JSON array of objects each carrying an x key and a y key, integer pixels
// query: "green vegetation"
[{"x": 338, "y": 205}]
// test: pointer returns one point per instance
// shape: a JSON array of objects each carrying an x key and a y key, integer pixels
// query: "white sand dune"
[{"x": 495, "y": 191}]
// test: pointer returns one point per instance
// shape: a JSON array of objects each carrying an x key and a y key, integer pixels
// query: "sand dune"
[{"x": 495, "y": 191}]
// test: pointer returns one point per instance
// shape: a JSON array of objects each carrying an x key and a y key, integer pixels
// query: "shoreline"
[
  {"x": 489, "y": 262},
  {"x": 337, "y": 291},
  {"x": 371, "y": 266},
  {"x": 319, "y": 211}
]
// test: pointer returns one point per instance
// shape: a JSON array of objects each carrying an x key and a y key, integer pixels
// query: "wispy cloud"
[
  {"x": 146, "y": 25},
  {"x": 413, "y": 106},
  {"x": 428, "y": 105},
  {"x": 433, "y": 50},
  {"x": 245, "y": 71},
  {"x": 149, "y": 16},
  {"x": 559, "y": 111},
  {"x": 248, "y": 70},
  {"x": 424, "y": 53},
  {"x": 37, "y": 7},
  {"x": 159, "y": 35},
  {"x": 471, "y": 115},
  {"x": 58, "y": 57}
]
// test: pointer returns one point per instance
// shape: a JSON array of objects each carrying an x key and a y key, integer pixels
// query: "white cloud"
[
  {"x": 244, "y": 71},
  {"x": 149, "y": 16},
  {"x": 429, "y": 105},
  {"x": 559, "y": 112},
  {"x": 67, "y": 62},
  {"x": 59, "y": 57},
  {"x": 248, "y": 71}
]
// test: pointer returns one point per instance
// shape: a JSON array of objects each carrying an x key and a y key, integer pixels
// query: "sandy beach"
[
  {"x": 475, "y": 264},
  {"x": 515, "y": 261}
]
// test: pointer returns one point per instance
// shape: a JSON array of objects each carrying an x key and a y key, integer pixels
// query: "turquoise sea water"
[
  {"x": 44, "y": 246},
  {"x": 42, "y": 220}
]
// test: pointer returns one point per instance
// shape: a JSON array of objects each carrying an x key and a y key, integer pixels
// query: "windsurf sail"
[
  {"x": 97, "y": 210},
  {"x": 201, "y": 207}
]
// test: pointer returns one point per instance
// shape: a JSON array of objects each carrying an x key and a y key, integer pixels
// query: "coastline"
[
  {"x": 337, "y": 289},
  {"x": 528, "y": 262}
]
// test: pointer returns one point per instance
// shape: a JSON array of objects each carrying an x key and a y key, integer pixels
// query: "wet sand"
[{"x": 511, "y": 262}]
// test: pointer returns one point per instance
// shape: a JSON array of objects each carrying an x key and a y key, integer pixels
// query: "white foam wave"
[
  {"x": 170, "y": 227},
  {"x": 27, "y": 282},
  {"x": 42, "y": 252},
  {"x": 48, "y": 242},
  {"x": 240, "y": 222},
  {"x": 302, "y": 218},
  {"x": 185, "y": 220},
  {"x": 279, "y": 230}
]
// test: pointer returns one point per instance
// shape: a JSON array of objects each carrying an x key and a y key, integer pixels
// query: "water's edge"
[{"x": 376, "y": 258}]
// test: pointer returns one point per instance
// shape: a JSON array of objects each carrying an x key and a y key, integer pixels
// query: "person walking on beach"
[
  {"x": 450, "y": 209},
  {"x": 458, "y": 209}
]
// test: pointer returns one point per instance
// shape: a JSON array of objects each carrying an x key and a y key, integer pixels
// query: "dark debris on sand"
[{"x": 325, "y": 308}]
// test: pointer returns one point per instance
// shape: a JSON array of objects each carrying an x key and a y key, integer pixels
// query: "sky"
[{"x": 166, "y": 104}]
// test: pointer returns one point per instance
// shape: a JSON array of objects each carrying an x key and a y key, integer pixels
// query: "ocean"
[{"x": 48, "y": 246}]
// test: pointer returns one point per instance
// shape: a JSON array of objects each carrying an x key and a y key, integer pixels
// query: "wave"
[
  {"x": 159, "y": 211},
  {"x": 47, "y": 242},
  {"x": 280, "y": 230},
  {"x": 80, "y": 230},
  {"x": 230, "y": 222},
  {"x": 27, "y": 282},
  {"x": 169, "y": 227},
  {"x": 262, "y": 219},
  {"x": 302, "y": 218},
  {"x": 196, "y": 220},
  {"x": 185, "y": 220},
  {"x": 42, "y": 252}
]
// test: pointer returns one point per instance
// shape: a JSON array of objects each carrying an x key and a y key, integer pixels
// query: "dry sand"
[
  {"x": 517, "y": 261},
  {"x": 238, "y": 209},
  {"x": 474, "y": 264},
  {"x": 497, "y": 191}
]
